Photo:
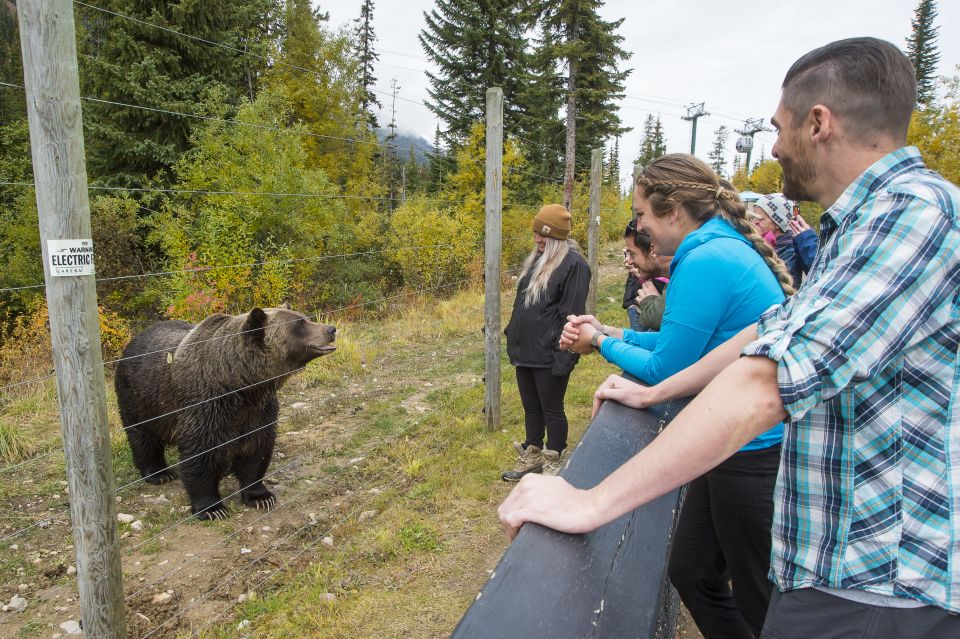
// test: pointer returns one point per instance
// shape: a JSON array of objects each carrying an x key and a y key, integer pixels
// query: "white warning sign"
[{"x": 70, "y": 258}]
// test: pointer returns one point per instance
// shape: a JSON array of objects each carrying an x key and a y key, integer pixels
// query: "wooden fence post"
[
  {"x": 492, "y": 250},
  {"x": 56, "y": 141},
  {"x": 593, "y": 228}
]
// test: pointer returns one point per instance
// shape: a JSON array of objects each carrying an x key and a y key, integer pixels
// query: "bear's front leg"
[
  {"x": 148, "y": 455},
  {"x": 250, "y": 467},
  {"x": 200, "y": 473}
]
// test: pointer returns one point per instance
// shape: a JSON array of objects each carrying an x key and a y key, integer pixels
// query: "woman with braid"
[{"x": 722, "y": 277}]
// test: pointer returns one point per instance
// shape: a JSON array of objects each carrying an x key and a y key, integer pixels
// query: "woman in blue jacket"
[{"x": 723, "y": 276}]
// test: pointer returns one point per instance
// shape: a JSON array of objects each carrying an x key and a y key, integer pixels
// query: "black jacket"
[{"x": 533, "y": 333}]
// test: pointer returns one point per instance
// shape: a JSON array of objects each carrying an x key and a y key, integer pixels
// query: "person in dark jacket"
[{"x": 553, "y": 284}]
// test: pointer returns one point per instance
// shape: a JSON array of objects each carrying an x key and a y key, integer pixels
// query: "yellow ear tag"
[{"x": 169, "y": 358}]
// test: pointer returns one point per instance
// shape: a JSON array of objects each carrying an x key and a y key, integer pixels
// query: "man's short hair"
[{"x": 867, "y": 82}]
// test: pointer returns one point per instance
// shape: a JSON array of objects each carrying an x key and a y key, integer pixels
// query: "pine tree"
[
  {"x": 718, "y": 154},
  {"x": 539, "y": 123},
  {"x": 439, "y": 165},
  {"x": 737, "y": 163},
  {"x": 589, "y": 47},
  {"x": 365, "y": 41},
  {"x": 922, "y": 49},
  {"x": 475, "y": 45},
  {"x": 12, "y": 101},
  {"x": 653, "y": 144},
  {"x": 612, "y": 168},
  {"x": 137, "y": 63}
]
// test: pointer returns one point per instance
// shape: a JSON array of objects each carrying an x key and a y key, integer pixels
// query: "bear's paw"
[{"x": 217, "y": 512}]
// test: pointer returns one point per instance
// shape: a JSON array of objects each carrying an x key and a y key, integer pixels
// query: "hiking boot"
[
  {"x": 553, "y": 461},
  {"x": 531, "y": 461}
]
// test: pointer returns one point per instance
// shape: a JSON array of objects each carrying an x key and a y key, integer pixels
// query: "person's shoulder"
[
  {"x": 925, "y": 188},
  {"x": 574, "y": 259}
]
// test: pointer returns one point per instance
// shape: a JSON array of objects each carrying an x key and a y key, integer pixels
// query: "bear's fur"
[{"x": 211, "y": 390}]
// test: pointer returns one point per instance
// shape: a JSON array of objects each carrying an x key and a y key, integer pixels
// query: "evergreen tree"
[
  {"x": 475, "y": 45},
  {"x": 365, "y": 40},
  {"x": 737, "y": 163},
  {"x": 653, "y": 144},
  {"x": 12, "y": 101},
  {"x": 922, "y": 49},
  {"x": 611, "y": 175},
  {"x": 414, "y": 175},
  {"x": 439, "y": 164},
  {"x": 718, "y": 154},
  {"x": 148, "y": 63},
  {"x": 589, "y": 47},
  {"x": 539, "y": 123}
]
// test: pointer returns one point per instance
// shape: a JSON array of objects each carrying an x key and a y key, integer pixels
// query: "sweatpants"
[{"x": 541, "y": 393}]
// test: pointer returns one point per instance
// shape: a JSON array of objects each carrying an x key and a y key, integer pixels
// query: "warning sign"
[{"x": 69, "y": 258}]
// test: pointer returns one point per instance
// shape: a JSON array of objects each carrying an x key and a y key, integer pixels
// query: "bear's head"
[{"x": 288, "y": 336}]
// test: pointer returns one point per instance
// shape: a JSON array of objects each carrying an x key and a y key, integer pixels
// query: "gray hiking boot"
[
  {"x": 553, "y": 461},
  {"x": 530, "y": 461}
]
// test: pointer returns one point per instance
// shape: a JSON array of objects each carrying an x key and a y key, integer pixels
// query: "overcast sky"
[{"x": 731, "y": 55}]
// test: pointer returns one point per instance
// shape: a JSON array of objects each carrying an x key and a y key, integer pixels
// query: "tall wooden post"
[
  {"x": 56, "y": 140},
  {"x": 494, "y": 208},
  {"x": 593, "y": 227}
]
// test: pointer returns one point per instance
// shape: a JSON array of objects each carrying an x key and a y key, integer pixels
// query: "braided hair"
[{"x": 679, "y": 179}]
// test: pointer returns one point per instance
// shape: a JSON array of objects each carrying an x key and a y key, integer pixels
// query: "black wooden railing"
[{"x": 611, "y": 583}]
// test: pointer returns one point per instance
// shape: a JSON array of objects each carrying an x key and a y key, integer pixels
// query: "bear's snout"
[{"x": 332, "y": 331}]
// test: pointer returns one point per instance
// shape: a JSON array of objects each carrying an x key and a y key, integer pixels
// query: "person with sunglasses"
[{"x": 647, "y": 278}]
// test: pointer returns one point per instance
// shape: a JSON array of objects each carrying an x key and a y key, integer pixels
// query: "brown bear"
[{"x": 210, "y": 389}]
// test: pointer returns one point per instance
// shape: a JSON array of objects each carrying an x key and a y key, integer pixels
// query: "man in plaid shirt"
[{"x": 862, "y": 364}]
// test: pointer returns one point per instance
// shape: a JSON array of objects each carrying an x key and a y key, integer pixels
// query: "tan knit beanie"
[{"x": 552, "y": 221}]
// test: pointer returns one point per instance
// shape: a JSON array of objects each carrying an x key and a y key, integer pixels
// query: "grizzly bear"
[{"x": 210, "y": 389}]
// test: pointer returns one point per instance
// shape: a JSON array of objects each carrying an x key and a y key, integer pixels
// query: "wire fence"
[{"x": 37, "y": 515}]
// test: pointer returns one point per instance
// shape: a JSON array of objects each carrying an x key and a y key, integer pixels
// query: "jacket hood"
[{"x": 714, "y": 228}]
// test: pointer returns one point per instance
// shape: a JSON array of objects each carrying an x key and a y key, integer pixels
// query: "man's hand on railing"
[
  {"x": 549, "y": 501},
  {"x": 622, "y": 390}
]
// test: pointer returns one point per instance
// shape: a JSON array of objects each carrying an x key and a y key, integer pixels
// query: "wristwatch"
[{"x": 595, "y": 340}]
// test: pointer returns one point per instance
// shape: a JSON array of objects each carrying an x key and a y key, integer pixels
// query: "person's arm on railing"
[
  {"x": 708, "y": 431},
  {"x": 687, "y": 382}
]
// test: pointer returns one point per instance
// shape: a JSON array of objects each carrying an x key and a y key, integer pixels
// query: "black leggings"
[
  {"x": 541, "y": 393},
  {"x": 724, "y": 535}
]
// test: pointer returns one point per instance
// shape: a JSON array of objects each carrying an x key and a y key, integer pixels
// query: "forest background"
[{"x": 234, "y": 147}]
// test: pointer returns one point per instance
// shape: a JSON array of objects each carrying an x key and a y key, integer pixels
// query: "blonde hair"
[
  {"x": 553, "y": 253},
  {"x": 678, "y": 179}
]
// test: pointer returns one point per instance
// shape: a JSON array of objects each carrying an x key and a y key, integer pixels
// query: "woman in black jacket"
[{"x": 553, "y": 284}]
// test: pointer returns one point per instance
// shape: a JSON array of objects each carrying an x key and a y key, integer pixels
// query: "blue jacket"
[
  {"x": 806, "y": 245},
  {"x": 719, "y": 285},
  {"x": 797, "y": 252}
]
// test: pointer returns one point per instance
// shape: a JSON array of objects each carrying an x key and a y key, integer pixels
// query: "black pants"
[
  {"x": 809, "y": 614},
  {"x": 723, "y": 535},
  {"x": 541, "y": 393}
]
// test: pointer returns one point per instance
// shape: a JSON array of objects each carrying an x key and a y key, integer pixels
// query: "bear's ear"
[
  {"x": 286, "y": 305},
  {"x": 253, "y": 328}
]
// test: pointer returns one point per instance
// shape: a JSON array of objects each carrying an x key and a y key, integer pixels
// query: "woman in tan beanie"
[{"x": 553, "y": 284}]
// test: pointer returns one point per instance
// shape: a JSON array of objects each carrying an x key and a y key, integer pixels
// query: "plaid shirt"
[{"x": 868, "y": 495}]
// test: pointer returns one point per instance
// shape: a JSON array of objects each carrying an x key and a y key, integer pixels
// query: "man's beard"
[{"x": 798, "y": 173}]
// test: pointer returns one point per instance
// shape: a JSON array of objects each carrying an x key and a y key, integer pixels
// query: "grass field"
[{"x": 387, "y": 479}]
